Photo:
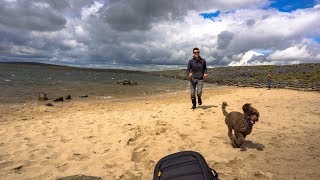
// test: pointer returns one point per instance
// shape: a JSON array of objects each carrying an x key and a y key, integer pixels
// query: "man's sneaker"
[
  {"x": 193, "y": 103},
  {"x": 199, "y": 101}
]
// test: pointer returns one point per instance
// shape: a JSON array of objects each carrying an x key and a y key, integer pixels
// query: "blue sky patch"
[
  {"x": 263, "y": 51},
  {"x": 317, "y": 39},
  {"x": 210, "y": 15},
  {"x": 291, "y": 5}
]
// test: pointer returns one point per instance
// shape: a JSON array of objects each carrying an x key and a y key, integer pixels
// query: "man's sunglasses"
[{"x": 196, "y": 52}]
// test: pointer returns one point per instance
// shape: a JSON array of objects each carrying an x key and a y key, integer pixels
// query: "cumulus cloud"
[
  {"x": 250, "y": 58},
  {"x": 291, "y": 54},
  {"x": 296, "y": 54},
  {"x": 224, "y": 39},
  {"x": 92, "y": 10},
  {"x": 141, "y": 14},
  {"x": 145, "y": 33},
  {"x": 239, "y": 4}
]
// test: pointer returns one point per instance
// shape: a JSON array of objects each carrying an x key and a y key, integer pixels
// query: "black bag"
[{"x": 186, "y": 165}]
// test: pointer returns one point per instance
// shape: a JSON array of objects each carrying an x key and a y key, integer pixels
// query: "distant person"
[
  {"x": 196, "y": 70},
  {"x": 269, "y": 77}
]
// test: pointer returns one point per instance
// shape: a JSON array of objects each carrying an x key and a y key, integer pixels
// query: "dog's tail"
[{"x": 223, "y": 107}]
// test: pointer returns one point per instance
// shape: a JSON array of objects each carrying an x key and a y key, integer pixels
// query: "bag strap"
[{"x": 214, "y": 174}]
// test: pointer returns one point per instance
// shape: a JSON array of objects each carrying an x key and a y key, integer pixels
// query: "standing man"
[
  {"x": 269, "y": 77},
  {"x": 196, "y": 70}
]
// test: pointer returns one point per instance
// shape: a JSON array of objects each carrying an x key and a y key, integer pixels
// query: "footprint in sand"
[
  {"x": 138, "y": 154},
  {"x": 55, "y": 130},
  {"x": 45, "y": 122},
  {"x": 262, "y": 175},
  {"x": 186, "y": 139},
  {"x": 40, "y": 152},
  {"x": 212, "y": 142},
  {"x": 30, "y": 145},
  {"x": 101, "y": 125},
  {"x": 154, "y": 116},
  {"x": 224, "y": 139},
  {"x": 18, "y": 169},
  {"x": 4, "y": 164},
  {"x": 139, "y": 148},
  {"x": 161, "y": 127},
  {"x": 78, "y": 157},
  {"x": 88, "y": 137},
  {"x": 63, "y": 167},
  {"x": 64, "y": 140},
  {"x": 18, "y": 135},
  {"x": 54, "y": 155},
  {"x": 137, "y": 134},
  {"x": 183, "y": 136},
  {"x": 204, "y": 127},
  {"x": 90, "y": 122},
  {"x": 32, "y": 156},
  {"x": 232, "y": 165},
  {"x": 203, "y": 123},
  {"x": 19, "y": 166},
  {"x": 252, "y": 156},
  {"x": 109, "y": 165}
]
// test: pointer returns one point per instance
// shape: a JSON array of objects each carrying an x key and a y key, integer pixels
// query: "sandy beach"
[{"x": 124, "y": 139}]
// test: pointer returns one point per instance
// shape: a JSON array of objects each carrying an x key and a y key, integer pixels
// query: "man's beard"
[{"x": 197, "y": 58}]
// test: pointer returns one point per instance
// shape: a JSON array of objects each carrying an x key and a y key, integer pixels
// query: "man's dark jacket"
[{"x": 197, "y": 68}]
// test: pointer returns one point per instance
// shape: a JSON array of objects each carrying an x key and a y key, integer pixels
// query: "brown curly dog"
[{"x": 240, "y": 123}]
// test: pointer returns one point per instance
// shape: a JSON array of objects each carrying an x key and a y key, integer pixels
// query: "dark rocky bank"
[{"x": 299, "y": 77}]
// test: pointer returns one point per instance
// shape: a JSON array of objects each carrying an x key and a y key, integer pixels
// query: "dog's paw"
[{"x": 234, "y": 145}]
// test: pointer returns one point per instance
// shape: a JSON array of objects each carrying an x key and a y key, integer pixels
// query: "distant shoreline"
[
  {"x": 64, "y": 67},
  {"x": 304, "y": 77},
  {"x": 178, "y": 69}
]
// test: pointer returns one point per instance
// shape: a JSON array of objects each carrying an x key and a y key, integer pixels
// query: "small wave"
[
  {"x": 7, "y": 80},
  {"x": 173, "y": 93},
  {"x": 105, "y": 97},
  {"x": 13, "y": 75}
]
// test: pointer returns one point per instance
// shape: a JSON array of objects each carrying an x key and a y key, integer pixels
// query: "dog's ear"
[
  {"x": 246, "y": 107},
  {"x": 257, "y": 113}
]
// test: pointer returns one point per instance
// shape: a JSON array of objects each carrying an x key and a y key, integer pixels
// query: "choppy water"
[{"x": 21, "y": 83}]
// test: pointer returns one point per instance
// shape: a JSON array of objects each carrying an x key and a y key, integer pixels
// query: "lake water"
[{"x": 20, "y": 83}]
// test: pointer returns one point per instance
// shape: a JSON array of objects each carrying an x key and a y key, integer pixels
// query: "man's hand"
[
  {"x": 190, "y": 75},
  {"x": 205, "y": 75}
]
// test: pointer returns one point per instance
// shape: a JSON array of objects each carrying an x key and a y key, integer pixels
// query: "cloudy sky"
[{"x": 150, "y": 35}]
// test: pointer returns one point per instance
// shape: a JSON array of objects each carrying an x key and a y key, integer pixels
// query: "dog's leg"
[
  {"x": 239, "y": 138},
  {"x": 244, "y": 135},
  {"x": 230, "y": 134},
  {"x": 232, "y": 138}
]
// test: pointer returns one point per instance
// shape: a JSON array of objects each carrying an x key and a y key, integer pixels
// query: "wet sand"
[{"x": 124, "y": 139}]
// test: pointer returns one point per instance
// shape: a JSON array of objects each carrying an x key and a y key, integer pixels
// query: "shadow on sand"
[
  {"x": 206, "y": 107},
  {"x": 252, "y": 145}
]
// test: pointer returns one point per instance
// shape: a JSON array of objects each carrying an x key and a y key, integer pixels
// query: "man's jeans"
[
  {"x": 198, "y": 84},
  {"x": 269, "y": 84}
]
